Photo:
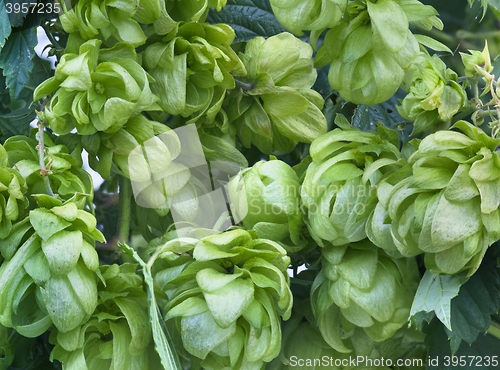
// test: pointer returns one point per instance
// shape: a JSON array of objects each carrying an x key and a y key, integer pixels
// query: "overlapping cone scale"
[
  {"x": 360, "y": 286},
  {"x": 447, "y": 206},
  {"x": 370, "y": 49},
  {"x": 272, "y": 206},
  {"x": 434, "y": 94},
  {"x": 236, "y": 267},
  {"x": 49, "y": 277},
  {"x": 273, "y": 106},
  {"x": 118, "y": 334},
  {"x": 96, "y": 90},
  {"x": 339, "y": 190},
  {"x": 193, "y": 66}
]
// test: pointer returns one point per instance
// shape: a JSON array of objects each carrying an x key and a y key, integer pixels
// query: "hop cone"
[
  {"x": 434, "y": 93},
  {"x": 115, "y": 148},
  {"x": 372, "y": 47},
  {"x": 118, "y": 334},
  {"x": 66, "y": 177},
  {"x": 226, "y": 301},
  {"x": 96, "y": 90},
  {"x": 360, "y": 285},
  {"x": 273, "y": 203},
  {"x": 302, "y": 340},
  {"x": 12, "y": 200},
  {"x": 191, "y": 68},
  {"x": 49, "y": 278},
  {"x": 274, "y": 106},
  {"x": 447, "y": 206},
  {"x": 308, "y": 15},
  {"x": 115, "y": 21},
  {"x": 339, "y": 189}
]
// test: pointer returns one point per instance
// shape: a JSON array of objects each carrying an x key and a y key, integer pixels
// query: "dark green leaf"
[
  {"x": 366, "y": 116},
  {"x": 16, "y": 60},
  {"x": 4, "y": 24},
  {"x": 248, "y": 18},
  {"x": 471, "y": 310},
  {"x": 439, "y": 355}
]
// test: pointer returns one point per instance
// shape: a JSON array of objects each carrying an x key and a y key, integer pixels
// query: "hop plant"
[
  {"x": 115, "y": 21},
  {"x": 339, "y": 189},
  {"x": 105, "y": 150},
  {"x": 96, "y": 90},
  {"x": 118, "y": 334},
  {"x": 446, "y": 204},
  {"x": 361, "y": 286},
  {"x": 65, "y": 175},
  {"x": 272, "y": 206},
  {"x": 308, "y": 15},
  {"x": 370, "y": 50},
  {"x": 49, "y": 278},
  {"x": 303, "y": 341},
  {"x": 12, "y": 199},
  {"x": 235, "y": 267},
  {"x": 434, "y": 93},
  {"x": 274, "y": 106},
  {"x": 192, "y": 69}
]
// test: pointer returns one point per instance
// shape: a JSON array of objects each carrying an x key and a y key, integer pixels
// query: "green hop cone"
[
  {"x": 303, "y": 341},
  {"x": 12, "y": 200},
  {"x": 445, "y": 203},
  {"x": 361, "y": 286},
  {"x": 339, "y": 189},
  {"x": 274, "y": 107},
  {"x": 370, "y": 49},
  {"x": 115, "y": 21},
  {"x": 272, "y": 205},
  {"x": 434, "y": 93},
  {"x": 96, "y": 90},
  {"x": 105, "y": 149},
  {"x": 229, "y": 299},
  {"x": 477, "y": 62},
  {"x": 118, "y": 334},
  {"x": 66, "y": 177},
  {"x": 308, "y": 15},
  {"x": 50, "y": 277},
  {"x": 192, "y": 69}
]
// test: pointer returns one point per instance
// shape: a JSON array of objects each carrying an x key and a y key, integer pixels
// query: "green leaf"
[
  {"x": 471, "y": 310},
  {"x": 5, "y": 28},
  {"x": 16, "y": 60},
  {"x": 163, "y": 342},
  {"x": 435, "y": 293},
  {"x": 366, "y": 116},
  {"x": 248, "y": 18},
  {"x": 439, "y": 354}
]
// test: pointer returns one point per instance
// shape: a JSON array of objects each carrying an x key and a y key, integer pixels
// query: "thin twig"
[{"x": 41, "y": 157}]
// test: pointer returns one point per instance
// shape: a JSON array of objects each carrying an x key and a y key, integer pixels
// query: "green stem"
[
  {"x": 494, "y": 329},
  {"x": 466, "y": 35},
  {"x": 125, "y": 206},
  {"x": 41, "y": 158},
  {"x": 465, "y": 113},
  {"x": 244, "y": 85}
]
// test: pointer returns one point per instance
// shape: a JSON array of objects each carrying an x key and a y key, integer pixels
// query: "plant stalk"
[
  {"x": 125, "y": 206},
  {"x": 494, "y": 329},
  {"x": 41, "y": 157}
]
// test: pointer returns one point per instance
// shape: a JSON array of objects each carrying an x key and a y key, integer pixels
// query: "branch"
[
  {"x": 124, "y": 209},
  {"x": 41, "y": 157}
]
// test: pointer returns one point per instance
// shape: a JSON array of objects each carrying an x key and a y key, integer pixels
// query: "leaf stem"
[
  {"x": 494, "y": 329},
  {"x": 41, "y": 158},
  {"x": 124, "y": 209},
  {"x": 244, "y": 85}
]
